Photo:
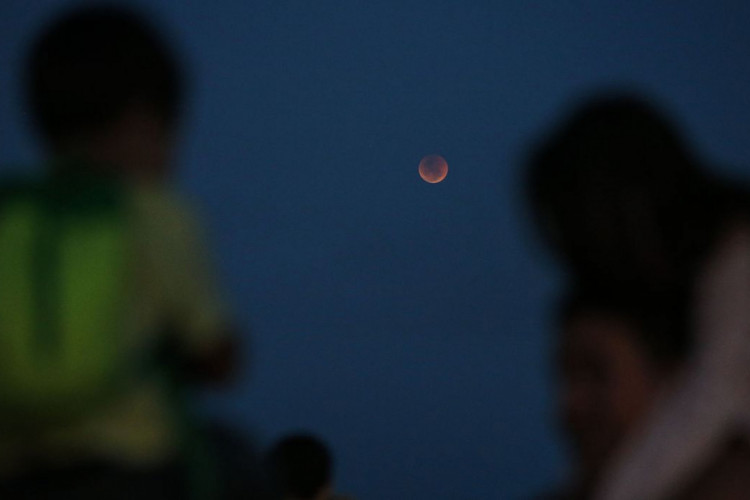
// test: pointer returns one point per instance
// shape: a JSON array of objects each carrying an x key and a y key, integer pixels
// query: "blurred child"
[{"x": 118, "y": 270}]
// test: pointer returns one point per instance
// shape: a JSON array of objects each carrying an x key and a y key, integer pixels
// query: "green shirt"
[{"x": 173, "y": 281}]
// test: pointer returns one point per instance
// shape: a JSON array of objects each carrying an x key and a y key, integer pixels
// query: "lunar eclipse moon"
[{"x": 433, "y": 169}]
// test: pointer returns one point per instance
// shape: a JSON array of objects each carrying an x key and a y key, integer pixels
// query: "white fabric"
[{"x": 685, "y": 431}]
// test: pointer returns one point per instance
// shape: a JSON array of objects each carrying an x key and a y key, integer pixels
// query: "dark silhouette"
[
  {"x": 301, "y": 468},
  {"x": 616, "y": 358},
  {"x": 631, "y": 212},
  {"x": 109, "y": 308}
]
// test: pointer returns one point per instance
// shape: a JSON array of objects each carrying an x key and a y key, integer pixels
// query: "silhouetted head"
[
  {"x": 619, "y": 197},
  {"x": 617, "y": 356},
  {"x": 101, "y": 78},
  {"x": 302, "y": 467}
]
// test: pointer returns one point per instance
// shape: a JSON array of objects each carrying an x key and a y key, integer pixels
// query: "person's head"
[
  {"x": 101, "y": 85},
  {"x": 301, "y": 466},
  {"x": 616, "y": 357},
  {"x": 619, "y": 196}
]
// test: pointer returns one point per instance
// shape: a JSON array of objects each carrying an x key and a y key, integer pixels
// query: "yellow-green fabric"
[
  {"x": 171, "y": 281},
  {"x": 63, "y": 253}
]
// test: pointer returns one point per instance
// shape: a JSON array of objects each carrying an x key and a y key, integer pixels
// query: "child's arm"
[
  {"x": 216, "y": 364},
  {"x": 198, "y": 328},
  {"x": 690, "y": 425}
]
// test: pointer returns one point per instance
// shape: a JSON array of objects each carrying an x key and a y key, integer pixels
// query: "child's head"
[
  {"x": 302, "y": 467},
  {"x": 102, "y": 86},
  {"x": 616, "y": 359}
]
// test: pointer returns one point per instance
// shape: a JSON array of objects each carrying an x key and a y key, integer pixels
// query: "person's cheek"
[{"x": 607, "y": 414}]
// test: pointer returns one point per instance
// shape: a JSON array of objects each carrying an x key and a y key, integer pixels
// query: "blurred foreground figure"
[
  {"x": 301, "y": 468},
  {"x": 108, "y": 305},
  {"x": 617, "y": 359},
  {"x": 630, "y": 211}
]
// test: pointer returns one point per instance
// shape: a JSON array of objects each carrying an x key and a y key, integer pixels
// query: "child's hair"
[
  {"x": 661, "y": 328},
  {"x": 301, "y": 465},
  {"x": 89, "y": 65}
]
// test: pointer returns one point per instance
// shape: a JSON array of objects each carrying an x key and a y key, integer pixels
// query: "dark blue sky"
[{"x": 406, "y": 323}]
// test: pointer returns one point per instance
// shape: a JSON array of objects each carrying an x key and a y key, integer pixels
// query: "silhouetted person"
[
  {"x": 627, "y": 207},
  {"x": 301, "y": 468},
  {"x": 102, "y": 271}
]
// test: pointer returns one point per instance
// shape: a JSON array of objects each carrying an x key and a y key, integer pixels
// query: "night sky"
[{"x": 406, "y": 323}]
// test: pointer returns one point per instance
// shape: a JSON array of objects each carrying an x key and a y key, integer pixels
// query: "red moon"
[{"x": 433, "y": 168}]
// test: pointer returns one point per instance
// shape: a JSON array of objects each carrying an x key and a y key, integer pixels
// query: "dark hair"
[
  {"x": 616, "y": 176},
  {"x": 89, "y": 65},
  {"x": 300, "y": 465},
  {"x": 661, "y": 328}
]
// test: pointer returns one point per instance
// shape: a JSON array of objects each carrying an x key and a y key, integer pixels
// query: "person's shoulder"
[
  {"x": 157, "y": 197},
  {"x": 726, "y": 478},
  {"x": 162, "y": 206}
]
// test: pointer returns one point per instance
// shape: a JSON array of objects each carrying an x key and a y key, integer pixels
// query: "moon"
[{"x": 433, "y": 169}]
